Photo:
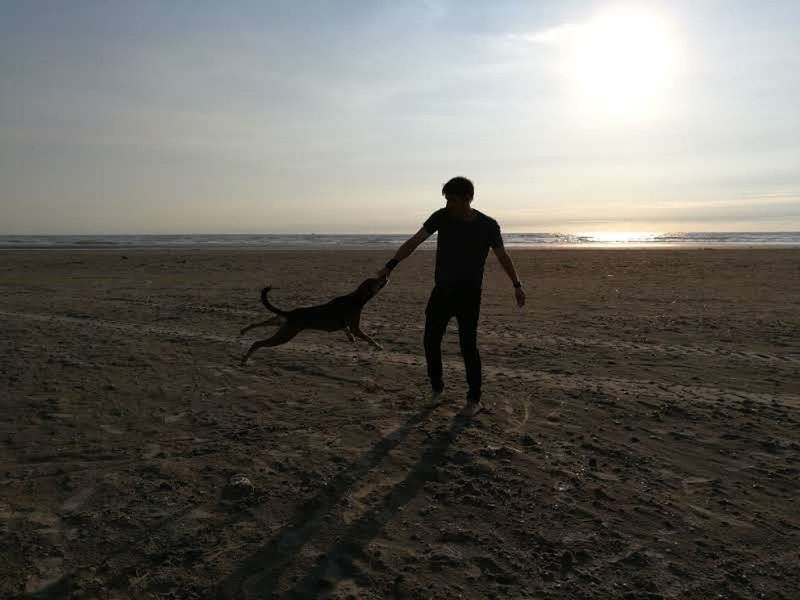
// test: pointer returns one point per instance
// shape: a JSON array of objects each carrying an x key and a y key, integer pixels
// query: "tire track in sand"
[
  {"x": 569, "y": 382},
  {"x": 675, "y": 351}
]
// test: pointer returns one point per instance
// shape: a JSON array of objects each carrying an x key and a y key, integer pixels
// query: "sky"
[{"x": 348, "y": 116}]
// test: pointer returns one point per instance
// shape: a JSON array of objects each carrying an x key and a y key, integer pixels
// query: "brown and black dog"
[{"x": 342, "y": 313}]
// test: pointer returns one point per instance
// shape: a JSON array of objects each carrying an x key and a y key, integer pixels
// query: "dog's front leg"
[
  {"x": 367, "y": 339},
  {"x": 349, "y": 334}
]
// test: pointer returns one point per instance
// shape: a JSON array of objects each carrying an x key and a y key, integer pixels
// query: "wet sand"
[{"x": 640, "y": 438}]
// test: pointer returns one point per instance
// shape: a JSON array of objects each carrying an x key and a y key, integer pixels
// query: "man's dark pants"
[{"x": 464, "y": 304}]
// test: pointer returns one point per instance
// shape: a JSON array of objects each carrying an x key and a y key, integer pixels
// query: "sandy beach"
[{"x": 640, "y": 438}]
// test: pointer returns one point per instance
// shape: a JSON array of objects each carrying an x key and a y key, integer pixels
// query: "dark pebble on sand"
[
  {"x": 238, "y": 487},
  {"x": 501, "y": 452},
  {"x": 637, "y": 559},
  {"x": 461, "y": 458}
]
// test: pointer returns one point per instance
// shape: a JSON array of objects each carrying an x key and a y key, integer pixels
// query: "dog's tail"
[{"x": 269, "y": 306}]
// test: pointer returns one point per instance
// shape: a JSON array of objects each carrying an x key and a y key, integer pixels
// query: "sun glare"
[
  {"x": 623, "y": 63},
  {"x": 618, "y": 237}
]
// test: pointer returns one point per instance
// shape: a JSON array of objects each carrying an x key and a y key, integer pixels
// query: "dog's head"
[{"x": 370, "y": 287}]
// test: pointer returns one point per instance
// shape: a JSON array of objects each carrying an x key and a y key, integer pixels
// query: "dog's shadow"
[{"x": 258, "y": 576}]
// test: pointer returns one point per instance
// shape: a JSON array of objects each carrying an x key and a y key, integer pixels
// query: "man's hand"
[
  {"x": 404, "y": 252},
  {"x": 511, "y": 271},
  {"x": 519, "y": 294}
]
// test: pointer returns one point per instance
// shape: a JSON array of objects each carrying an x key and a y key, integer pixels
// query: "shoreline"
[{"x": 381, "y": 248}]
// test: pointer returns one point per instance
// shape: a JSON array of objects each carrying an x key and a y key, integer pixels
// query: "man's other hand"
[{"x": 519, "y": 294}]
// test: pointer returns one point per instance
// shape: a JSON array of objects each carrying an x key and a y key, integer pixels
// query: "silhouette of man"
[{"x": 465, "y": 236}]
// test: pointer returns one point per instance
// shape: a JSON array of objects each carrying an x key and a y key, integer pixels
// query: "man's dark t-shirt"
[{"x": 462, "y": 247}]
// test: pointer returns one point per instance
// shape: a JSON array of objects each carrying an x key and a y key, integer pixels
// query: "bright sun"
[{"x": 622, "y": 63}]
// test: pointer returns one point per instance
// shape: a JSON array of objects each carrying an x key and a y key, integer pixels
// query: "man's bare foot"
[{"x": 471, "y": 408}]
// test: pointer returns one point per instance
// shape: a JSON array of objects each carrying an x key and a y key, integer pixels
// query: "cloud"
[
  {"x": 436, "y": 9},
  {"x": 776, "y": 210},
  {"x": 552, "y": 36},
  {"x": 755, "y": 201}
]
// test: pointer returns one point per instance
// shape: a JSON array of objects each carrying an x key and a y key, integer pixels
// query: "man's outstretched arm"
[
  {"x": 405, "y": 251},
  {"x": 511, "y": 271}
]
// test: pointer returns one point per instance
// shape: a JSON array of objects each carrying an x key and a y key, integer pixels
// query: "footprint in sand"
[
  {"x": 691, "y": 484},
  {"x": 48, "y": 522},
  {"x": 6, "y": 512},
  {"x": 47, "y": 572},
  {"x": 174, "y": 418},
  {"x": 721, "y": 517},
  {"x": 74, "y": 502},
  {"x": 151, "y": 450},
  {"x": 516, "y": 408}
]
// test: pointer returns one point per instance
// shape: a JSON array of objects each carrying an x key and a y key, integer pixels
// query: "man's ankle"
[{"x": 471, "y": 408}]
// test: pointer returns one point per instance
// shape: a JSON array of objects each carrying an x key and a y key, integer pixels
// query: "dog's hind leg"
[
  {"x": 283, "y": 335},
  {"x": 276, "y": 320}
]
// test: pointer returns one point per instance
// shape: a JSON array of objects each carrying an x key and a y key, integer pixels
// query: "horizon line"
[{"x": 329, "y": 233}]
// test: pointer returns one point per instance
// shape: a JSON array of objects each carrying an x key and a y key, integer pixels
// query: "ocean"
[{"x": 312, "y": 241}]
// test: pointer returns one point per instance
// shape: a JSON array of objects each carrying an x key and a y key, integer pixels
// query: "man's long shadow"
[
  {"x": 261, "y": 572},
  {"x": 337, "y": 562}
]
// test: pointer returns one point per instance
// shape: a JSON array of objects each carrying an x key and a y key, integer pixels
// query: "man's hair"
[{"x": 460, "y": 187}]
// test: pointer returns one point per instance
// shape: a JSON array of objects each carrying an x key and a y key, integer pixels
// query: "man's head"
[{"x": 459, "y": 189}]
